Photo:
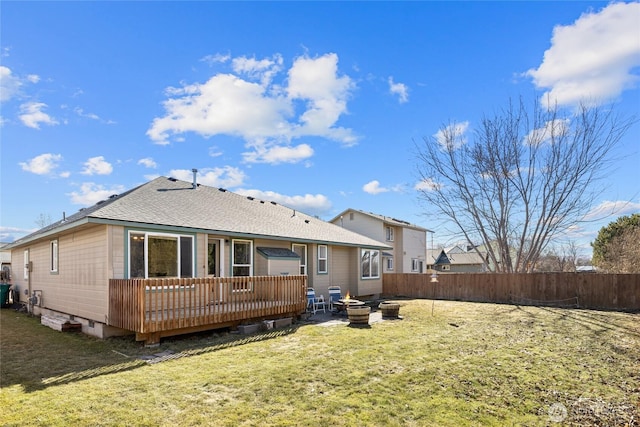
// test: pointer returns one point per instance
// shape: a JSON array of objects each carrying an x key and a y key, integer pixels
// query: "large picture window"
[
  {"x": 323, "y": 259},
  {"x": 370, "y": 263},
  {"x": 160, "y": 255}
]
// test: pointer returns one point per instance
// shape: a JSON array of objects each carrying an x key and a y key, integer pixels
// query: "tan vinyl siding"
[
  {"x": 117, "y": 244},
  {"x": 414, "y": 246},
  {"x": 80, "y": 287},
  {"x": 260, "y": 264},
  {"x": 341, "y": 269},
  {"x": 201, "y": 255},
  {"x": 279, "y": 267},
  {"x": 363, "y": 224}
]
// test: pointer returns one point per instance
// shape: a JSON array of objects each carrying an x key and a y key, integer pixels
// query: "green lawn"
[{"x": 470, "y": 364}]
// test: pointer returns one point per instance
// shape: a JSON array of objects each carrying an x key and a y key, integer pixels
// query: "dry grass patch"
[{"x": 470, "y": 364}]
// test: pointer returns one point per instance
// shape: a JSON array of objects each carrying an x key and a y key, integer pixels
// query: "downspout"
[{"x": 28, "y": 268}]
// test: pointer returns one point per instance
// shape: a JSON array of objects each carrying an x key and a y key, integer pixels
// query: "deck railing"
[{"x": 149, "y": 306}]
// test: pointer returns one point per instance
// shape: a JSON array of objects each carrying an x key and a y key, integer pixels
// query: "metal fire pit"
[{"x": 341, "y": 305}]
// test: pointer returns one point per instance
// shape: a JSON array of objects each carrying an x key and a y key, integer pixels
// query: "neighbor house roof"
[
  {"x": 454, "y": 258},
  {"x": 170, "y": 203},
  {"x": 386, "y": 219},
  {"x": 467, "y": 258}
]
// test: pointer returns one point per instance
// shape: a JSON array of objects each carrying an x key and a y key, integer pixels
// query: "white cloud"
[
  {"x": 279, "y": 154},
  {"x": 151, "y": 177},
  {"x": 225, "y": 104},
  {"x": 44, "y": 164},
  {"x": 610, "y": 208},
  {"x": 224, "y": 177},
  {"x": 32, "y": 115},
  {"x": 592, "y": 60},
  {"x": 10, "y": 234},
  {"x": 215, "y": 59},
  {"x": 91, "y": 193},
  {"x": 215, "y": 151},
  {"x": 9, "y": 84},
  {"x": 399, "y": 89},
  {"x": 427, "y": 185},
  {"x": 97, "y": 166},
  {"x": 261, "y": 70},
  {"x": 316, "y": 81},
  {"x": 311, "y": 204},
  {"x": 555, "y": 128},
  {"x": 452, "y": 136},
  {"x": 264, "y": 114},
  {"x": 148, "y": 162},
  {"x": 80, "y": 112},
  {"x": 373, "y": 187}
]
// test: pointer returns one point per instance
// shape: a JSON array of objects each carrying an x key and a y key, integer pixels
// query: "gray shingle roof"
[
  {"x": 277, "y": 253},
  {"x": 170, "y": 202},
  {"x": 386, "y": 219}
]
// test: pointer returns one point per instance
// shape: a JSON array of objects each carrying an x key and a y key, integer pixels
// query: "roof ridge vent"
[{"x": 222, "y": 190}]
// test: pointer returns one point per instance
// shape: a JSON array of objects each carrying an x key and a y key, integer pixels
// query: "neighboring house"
[
  {"x": 408, "y": 242},
  {"x": 83, "y": 265},
  {"x": 456, "y": 260},
  {"x": 5, "y": 262}
]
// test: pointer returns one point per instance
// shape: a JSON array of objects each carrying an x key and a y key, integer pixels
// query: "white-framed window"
[
  {"x": 242, "y": 258},
  {"x": 370, "y": 263},
  {"x": 160, "y": 255},
  {"x": 414, "y": 264},
  {"x": 302, "y": 251},
  {"x": 390, "y": 264},
  {"x": 323, "y": 261},
  {"x": 26, "y": 264},
  {"x": 389, "y": 233},
  {"x": 53, "y": 256}
]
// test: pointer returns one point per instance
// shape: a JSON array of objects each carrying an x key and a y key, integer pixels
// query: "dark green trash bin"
[{"x": 4, "y": 295}]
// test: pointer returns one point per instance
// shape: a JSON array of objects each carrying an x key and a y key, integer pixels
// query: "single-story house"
[
  {"x": 407, "y": 241},
  {"x": 171, "y": 256},
  {"x": 5, "y": 262}
]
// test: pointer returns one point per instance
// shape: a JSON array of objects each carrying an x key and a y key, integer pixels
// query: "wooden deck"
[{"x": 155, "y": 308}]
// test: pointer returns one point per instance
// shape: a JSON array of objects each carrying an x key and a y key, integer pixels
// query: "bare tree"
[
  {"x": 43, "y": 220},
  {"x": 521, "y": 179},
  {"x": 563, "y": 258}
]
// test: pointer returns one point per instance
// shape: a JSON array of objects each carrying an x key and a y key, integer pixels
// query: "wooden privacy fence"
[
  {"x": 584, "y": 290},
  {"x": 154, "y": 308}
]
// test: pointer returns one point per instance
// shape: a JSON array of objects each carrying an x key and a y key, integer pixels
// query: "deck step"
[{"x": 60, "y": 323}]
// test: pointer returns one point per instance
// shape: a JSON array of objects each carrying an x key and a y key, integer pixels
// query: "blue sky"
[{"x": 314, "y": 105}]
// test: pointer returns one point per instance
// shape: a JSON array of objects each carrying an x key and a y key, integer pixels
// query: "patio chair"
[
  {"x": 335, "y": 294},
  {"x": 315, "y": 303}
]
